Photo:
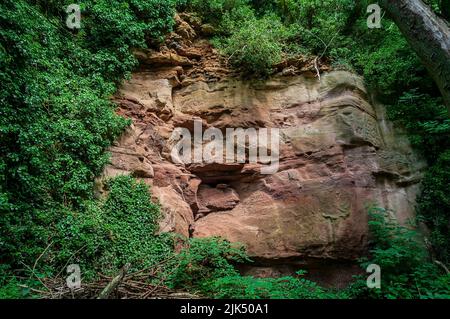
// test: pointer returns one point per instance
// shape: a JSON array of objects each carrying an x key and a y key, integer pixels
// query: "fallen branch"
[
  {"x": 114, "y": 283},
  {"x": 40, "y": 256},
  {"x": 242, "y": 49},
  {"x": 157, "y": 286},
  {"x": 124, "y": 285},
  {"x": 68, "y": 260},
  {"x": 437, "y": 262},
  {"x": 37, "y": 277}
]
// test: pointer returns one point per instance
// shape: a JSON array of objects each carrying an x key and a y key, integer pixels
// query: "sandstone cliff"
[{"x": 338, "y": 154}]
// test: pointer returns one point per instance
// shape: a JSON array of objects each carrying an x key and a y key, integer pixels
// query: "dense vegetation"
[
  {"x": 56, "y": 121},
  {"x": 406, "y": 269}
]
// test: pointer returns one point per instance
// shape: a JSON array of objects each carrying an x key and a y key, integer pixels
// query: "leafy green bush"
[
  {"x": 203, "y": 261},
  {"x": 238, "y": 287},
  {"x": 132, "y": 221},
  {"x": 213, "y": 10},
  {"x": 9, "y": 288},
  {"x": 112, "y": 232},
  {"x": 319, "y": 23},
  {"x": 434, "y": 206},
  {"x": 403, "y": 70},
  {"x": 256, "y": 46},
  {"x": 426, "y": 120},
  {"x": 127, "y": 22},
  {"x": 234, "y": 20},
  {"x": 406, "y": 272}
]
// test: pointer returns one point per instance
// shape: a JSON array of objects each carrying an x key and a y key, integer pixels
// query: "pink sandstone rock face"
[{"x": 338, "y": 155}]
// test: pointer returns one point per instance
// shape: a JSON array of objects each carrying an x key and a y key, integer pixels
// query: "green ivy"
[
  {"x": 203, "y": 261},
  {"x": 56, "y": 119},
  {"x": 109, "y": 233},
  {"x": 238, "y": 287},
  {"x": 256, "y": 45}
]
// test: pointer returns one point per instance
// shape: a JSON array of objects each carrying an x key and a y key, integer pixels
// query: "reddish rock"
[
  {"x": 338, "y": 154},
  {"x": 217, "y": 199}
]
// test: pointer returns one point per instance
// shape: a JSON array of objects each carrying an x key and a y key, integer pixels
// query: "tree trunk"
[
  {"x": 445, "y": 9},
  {"x": 428, "y": 35}
]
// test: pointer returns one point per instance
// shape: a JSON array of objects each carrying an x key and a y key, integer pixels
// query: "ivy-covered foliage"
[
  {"x": 120, "y": 229},
  {"x": 202, "y": 261},
  {"x": 56, "y": 120},
  {"x": 101, "y": 236}
]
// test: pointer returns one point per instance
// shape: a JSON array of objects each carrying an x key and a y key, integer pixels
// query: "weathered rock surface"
[
  {"x": 337, "y": 155},
  {"x": 220, "y": 198}
]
